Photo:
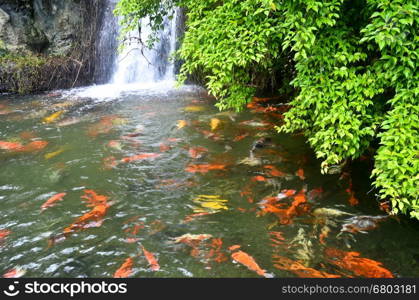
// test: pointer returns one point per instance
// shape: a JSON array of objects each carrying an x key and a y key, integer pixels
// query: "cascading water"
[
  {"x": 137, "y": 67},
  {"x": 138, "y": 64}
]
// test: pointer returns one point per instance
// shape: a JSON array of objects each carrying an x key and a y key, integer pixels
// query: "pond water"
[{"x": 163, "y": 170}]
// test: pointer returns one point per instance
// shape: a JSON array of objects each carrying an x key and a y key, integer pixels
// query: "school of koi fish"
[{"x": 167, "y": 186}]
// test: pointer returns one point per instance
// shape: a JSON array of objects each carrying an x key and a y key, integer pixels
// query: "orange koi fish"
[
  {"x": 93, "y": 218},
  {"x": 152, "y": 261},
  {"x": 204, "y": 168},
  {"x": 140, "y": 157},
  {"x": 258, "y": 178},
  {"x": 240, "y": 137},
  {"x": 234, "y": 247},
  {"x": 3, "y": 234},
  {"x": 14, "y": 273},
  {"x": 51, "y": 201},
  {"x": 192, "y": 217},
  {"x": 215, "y": 251},
  {"x": 248, "y": 261},
  {"x": 286, "y": 264},
  {"x": 360, "y": 266},
  {"x": 34, "y": 146},
  {"x": 125, "y": 270},
  {"x": 94, "y": 199},
  {"x": 273, "y": 171},
  {"x": 10, "y": 146}
]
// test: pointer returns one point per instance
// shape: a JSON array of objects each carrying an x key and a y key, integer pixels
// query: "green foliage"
[{"x": 355, "y": 73}]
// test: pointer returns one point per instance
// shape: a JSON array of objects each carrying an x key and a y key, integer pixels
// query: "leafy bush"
[{"x": 355, "y": 73}]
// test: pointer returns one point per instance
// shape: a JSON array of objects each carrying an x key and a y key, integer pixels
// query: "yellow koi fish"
[{"x": 53, "y": 117}]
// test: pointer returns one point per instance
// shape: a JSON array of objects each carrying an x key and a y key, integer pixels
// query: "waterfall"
[
  {"x": 138, "y": 64},
  {"x": 137, "y": 67},
  {"x": 107, "y": 44}
]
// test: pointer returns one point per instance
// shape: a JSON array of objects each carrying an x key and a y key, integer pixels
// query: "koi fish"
[
  {"x": 362, "y": 223},
  {"x": 3, "y": 234},
  {"x": 197, "y": 152},
  {"x": 93, "y": 218},
  {"x": 248, "y": 261},
  {"x": 211, "y": 135},
  {"x": 140, "y": 157},
  {"x": 14, "y": 273},
  {"x": 215, "y": 123},
  {"x": 286, "y": 193},
  {"x": 209, "y": 203},
  {"x": 181, "y": 124},
  {"x": 54, "y": 154},
  {"x": 34, "y": 146},
  {"x": 240, "y": 137},
  {"x": 204, "y": 168},
  {"x": 51, "y": 201},
  {"x": 191, "y": 239},
  {"x": 258, "y": 178},
  {"x": 194, "y": 108},
  {"x": 131, "y": 135},
  {"x": 215, "y": 252},
  {"x": 192, "y": 217},
  {"x": 360, "y": 266},
  {"x": 273, "y": 171},
  {"x": 94, "y": 199},
  {"x": 53, "y": 117},
  {"x": 329, "y": 212},
  {"x": 352, "y": 200},
  {"x": 10, "y": 146},
  {"x": 286, "y": 264},
  {"x": 152, "y": 261},
  {"x": 125, "y": 270},
  {"x": 234, "y": 247}
]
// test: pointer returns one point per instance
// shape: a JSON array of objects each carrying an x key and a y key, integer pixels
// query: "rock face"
[
  {"x": 64, "y": 29},
  {"x": 41, "y": 26}
]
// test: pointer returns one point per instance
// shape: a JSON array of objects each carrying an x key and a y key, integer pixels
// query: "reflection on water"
[{"x": 158, "y": 183}]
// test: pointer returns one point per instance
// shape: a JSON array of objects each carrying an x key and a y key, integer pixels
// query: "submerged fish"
[
  {"x": 55, "y": 153},
  {"x": 51, "y": 201},
  {"x": 329, "y": 212},
  {"x": 194, "y": 108},
  {"x": 125, "y": 269},
  {"x": 151, "y": 259},
  {"x": 181, "y": 124},
  {"x": 215, "y": 123},
  {"x": 362, "y": 223},
  {"x": 251, "y": 161},
  {"x": 53, "y": 117},
  {"x": 10, "y": 146},
  {"x": 204, "y": 168},
  {"x": 248, "y": 261},
  {"x": 140, "y": 157}
]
